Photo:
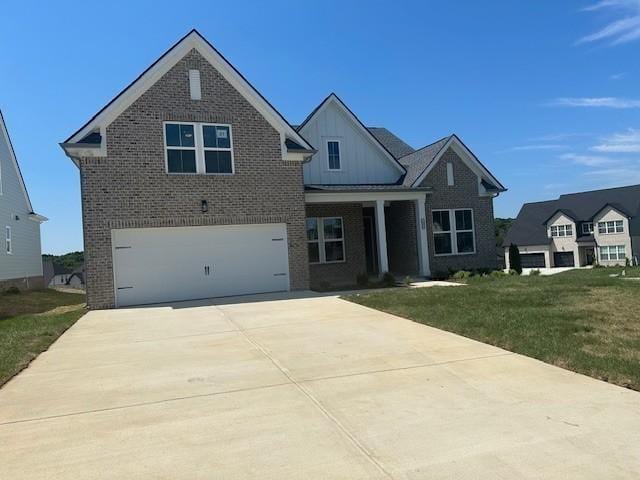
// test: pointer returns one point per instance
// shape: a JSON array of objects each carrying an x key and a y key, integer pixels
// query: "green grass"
[
  {"x": 582, "y": 320},
  {"x": 30, "y": 322}
]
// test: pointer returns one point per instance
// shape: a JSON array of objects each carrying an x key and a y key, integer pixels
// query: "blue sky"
[{"x": 541, "y": 90}]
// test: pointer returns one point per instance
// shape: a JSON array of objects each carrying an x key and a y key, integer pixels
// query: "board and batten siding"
[
  {"x": 25, "y": 260},
  {"x": 361, "y": 158}
]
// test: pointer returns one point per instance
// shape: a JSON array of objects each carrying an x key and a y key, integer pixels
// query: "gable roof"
[
  {"x": 397, "y": 146},
  {"x": 529, "y": 227},
  {"x": 566, "y": 212},
  {"x": 4, "y": 133},
  {"x": 192, "y": 40},
  {"x": 417, "y": 162},
  {"x": 333, "y": 98}
]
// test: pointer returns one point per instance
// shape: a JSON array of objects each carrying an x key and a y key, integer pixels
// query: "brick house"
[{"x": 194, "y": 186}]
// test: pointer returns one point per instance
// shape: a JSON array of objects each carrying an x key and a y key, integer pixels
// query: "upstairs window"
[
  {"x": 199, "y": 148},
  {"x": 333, "y": 152},
  {"x": 8, "y": 242},
  {"x": 562, "y": 231},
  {"x": 609, "y": 227},
  {"x": 453, "y": 232},
  {"x": 587, "y": 228}
]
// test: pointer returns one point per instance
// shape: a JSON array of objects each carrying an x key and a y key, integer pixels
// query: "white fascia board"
[
  {"x": 37, "y": 218},
  {"x": 14, "y": 161},
  {"x": 342, "y": 197},
  {"x": 162, "y": 66},
  {"x": 334, "y": 99},
  {"x": 467, "y": 157}
]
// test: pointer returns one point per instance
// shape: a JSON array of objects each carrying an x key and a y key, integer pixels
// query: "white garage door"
[{"x": 153, "y": 265}]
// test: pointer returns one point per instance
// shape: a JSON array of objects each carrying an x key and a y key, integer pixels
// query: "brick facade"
[
  {"x": 345, "y": 273},
  {"x": 130, "y": 187},
  {"x": 463, "y": 194}
]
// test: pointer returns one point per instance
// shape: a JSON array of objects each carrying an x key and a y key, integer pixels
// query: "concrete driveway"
[{"x": 306, "y": 388}]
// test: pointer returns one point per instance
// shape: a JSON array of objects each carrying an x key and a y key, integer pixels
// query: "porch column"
[
  {"x": 381, "y": 231},
  {"x": 423, "y": 244}
]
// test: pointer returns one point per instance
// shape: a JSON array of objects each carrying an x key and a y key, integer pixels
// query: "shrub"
[
  {"x": 534, "y": 273},
  {"x": 362, "y": 279},
  {"x": 461, "y": 275},
  {"x": 513, "y": 272},
  {"x": 388, "y": 280},
  {"x": 407, "y": 281},
  {"x": 12, "y": 290},
  {"x": 498, "y": 274},
  {"x": 514, "y": 258}
]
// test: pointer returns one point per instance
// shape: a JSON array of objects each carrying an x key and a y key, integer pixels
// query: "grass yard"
[
  {"x": 582, "y": 320},
  {"x": 30, "y": 322}
]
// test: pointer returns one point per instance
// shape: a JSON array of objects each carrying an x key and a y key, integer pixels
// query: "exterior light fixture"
[{"x": 204, "y": 207}]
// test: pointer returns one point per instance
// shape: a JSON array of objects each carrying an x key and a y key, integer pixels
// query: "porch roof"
[
  {"x": 363, "y": 193},
  {"x": 365, "y": 188}
]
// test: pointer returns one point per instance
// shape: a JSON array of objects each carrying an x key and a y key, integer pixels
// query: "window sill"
[
  {"x": 328, "y": 263},
  {"x": 190, "y": 174},
  {"x": 454, "y": 254}
]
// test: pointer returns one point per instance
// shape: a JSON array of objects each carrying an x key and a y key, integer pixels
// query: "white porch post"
[
  {"x": 381, "y": 231},
  {"x": 423, "y": 244}
]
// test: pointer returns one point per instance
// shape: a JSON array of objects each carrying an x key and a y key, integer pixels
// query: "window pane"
[
  {"x": 441, "y": 221},
  {"x": 181, "y": 161},
  {"x": 332, "y": 228},
  {"x": 217, "y": 162},
  {"x": 312, "y": 229},
  {"x": 569, "y": 230},
  {"x": 601, "y": 227},
  {"x": 173, "y": 134},
  {"x": 333, "y": 149},
  {"x": 186, "y": 136},
  {"x": 619, "y": 226},
  {"x": 463, "y": 220},
  {"x": 465, "y": 242},
  {"x": 442, "y": 243},
  {"x": 334, "y": 251},
  {"x": 216, "y": 136},
  {"x": 314, "y": 252}
]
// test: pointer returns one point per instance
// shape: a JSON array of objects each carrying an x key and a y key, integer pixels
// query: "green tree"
[{"x": 515, "y": 262}]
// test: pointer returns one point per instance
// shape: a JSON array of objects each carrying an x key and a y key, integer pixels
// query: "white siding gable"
[
  {"x": 24, "y": 259},
  {"x": 362, "y": 159}
]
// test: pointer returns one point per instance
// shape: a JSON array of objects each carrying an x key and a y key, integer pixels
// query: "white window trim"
[
  {"x": 8, "y": 243},
  {"x": 614, "y": 230},
  {"x": 619, "y": 250},
  {"x": 198, "y": 147},
  {"x": 322, "y": 256},
  {"x": 336, "y": 140},
  {"x": 454, "y": 231},
  {"x": 589, "y": 230},
  {"x": 562, "y": 231}
]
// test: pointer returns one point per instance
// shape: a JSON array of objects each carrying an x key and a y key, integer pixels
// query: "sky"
[{"x": 544, "y": 92}]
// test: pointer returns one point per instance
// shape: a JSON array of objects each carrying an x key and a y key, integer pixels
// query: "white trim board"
[
  {"x": 14, "y": 161},
  {"x": 193, "y": 40},
  {"x": 341, "y": 197}
]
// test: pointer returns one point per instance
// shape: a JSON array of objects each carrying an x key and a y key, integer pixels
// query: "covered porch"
[{"x": 360, "y": 231}]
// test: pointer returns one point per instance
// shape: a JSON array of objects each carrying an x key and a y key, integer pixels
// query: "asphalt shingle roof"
[
  {"x": 416, "y": 162},
  {"x": 396, "y": 146},
  {"x": 530, "y": 229}
]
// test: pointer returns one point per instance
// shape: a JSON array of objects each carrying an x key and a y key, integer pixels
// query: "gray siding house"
[
  {"x": 578, "y": 229},
  {"x": 20, "y": 255},
  {"x": 194, "y": 186}
]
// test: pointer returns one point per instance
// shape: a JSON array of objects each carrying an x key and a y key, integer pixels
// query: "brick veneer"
[
  {"x": 130, "y": 187},
  {"x": 463, "y": 194},
  {"x": 345, "y": 273}
]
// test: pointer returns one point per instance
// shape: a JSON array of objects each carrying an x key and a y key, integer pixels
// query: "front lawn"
[
  {"x": 582, "y": 320},
  {"x": 30, "y": 322}
]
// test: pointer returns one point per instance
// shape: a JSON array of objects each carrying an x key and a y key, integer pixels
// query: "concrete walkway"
[{"x": 304, "y": 388}]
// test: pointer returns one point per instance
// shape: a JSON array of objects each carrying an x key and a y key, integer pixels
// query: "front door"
[
  {"x": 370, "y": 243},
  {"x": 589, "y": 256}
]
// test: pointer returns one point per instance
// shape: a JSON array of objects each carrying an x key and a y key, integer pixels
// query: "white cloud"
[
  {"x": 545, "y": 146},
  {"x": 588, "y": 160},
  {"x": 617, "y": 76},
  {"x": 558, "y": 137},
  {"x": 616, "y": 177},
  {"x": 625, "y": 142},
  {"x": 622, "y": 30},
  {"x": 596, "y": 102}
]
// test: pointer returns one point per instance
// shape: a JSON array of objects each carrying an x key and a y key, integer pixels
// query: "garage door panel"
[
  {"x": 563, "y": 259},
  {"x": 170, "y": 264},
  {"x": 532, "y": 260}
]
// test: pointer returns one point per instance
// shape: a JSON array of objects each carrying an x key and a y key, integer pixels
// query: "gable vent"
[{"x": 194, "y": 84}]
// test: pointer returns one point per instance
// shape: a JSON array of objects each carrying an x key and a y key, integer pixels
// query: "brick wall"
[
  {"x": 345, "y": 273},
  {"x": 463, "y": 194},
  {"x": 402, "y": 241},
  {"x": 130, "y": 188}
]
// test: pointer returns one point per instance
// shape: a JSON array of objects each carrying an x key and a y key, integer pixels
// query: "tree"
[{"x": 515, "y": 262}]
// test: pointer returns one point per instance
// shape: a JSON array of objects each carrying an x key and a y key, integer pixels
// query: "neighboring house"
[
  {"x": 76, "y": 280},
  {"x": 579, "y": 229},
  {"x": 20, "y": 259},
  {"x": 56, "y": 275},
  {"x": 194, "y": 186}
]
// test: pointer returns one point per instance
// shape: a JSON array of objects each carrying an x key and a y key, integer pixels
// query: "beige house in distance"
[{"x": 579, "y": 229}]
